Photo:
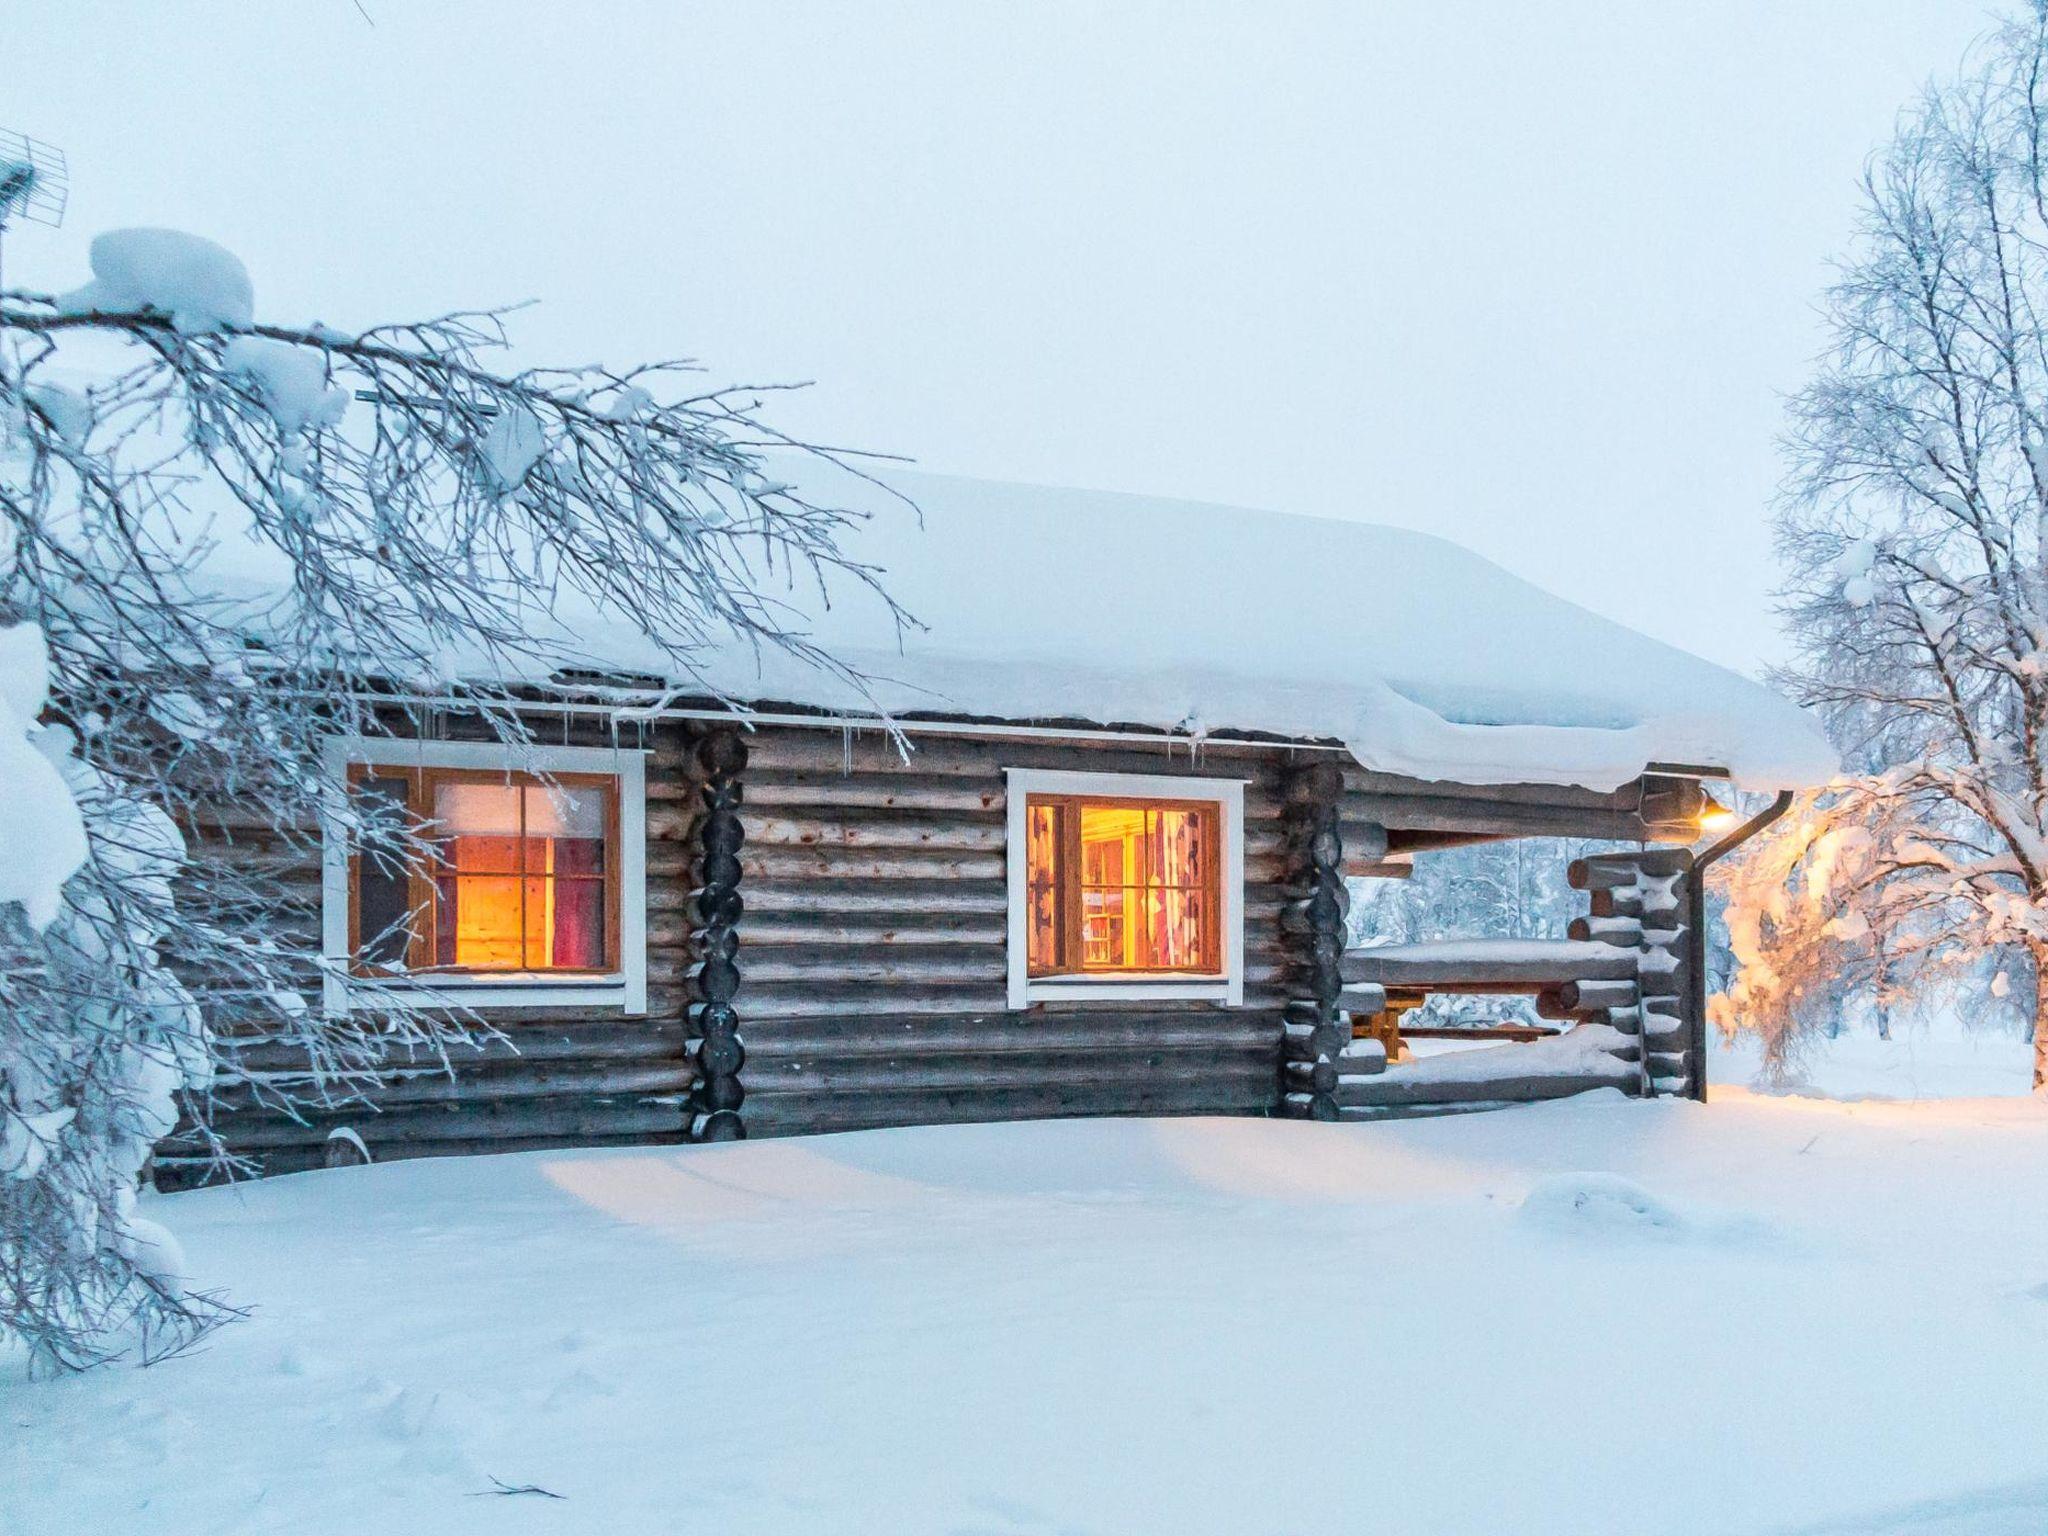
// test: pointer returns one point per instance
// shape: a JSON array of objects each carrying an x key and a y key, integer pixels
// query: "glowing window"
[
  {"x": 1123, "y": 887},
  {"x": 518, "y": 874}
]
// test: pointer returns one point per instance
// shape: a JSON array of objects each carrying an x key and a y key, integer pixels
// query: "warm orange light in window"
[
  {"x": 521, "y": 877},
  {"x": 1122, "y": 886}
]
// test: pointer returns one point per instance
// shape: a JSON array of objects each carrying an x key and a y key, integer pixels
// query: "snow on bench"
[
  {"x": 1576, "y": 1061},
  {"x": 1489, "y": 965}
]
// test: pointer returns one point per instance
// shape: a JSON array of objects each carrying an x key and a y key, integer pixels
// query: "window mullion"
[
  {"x": 422, "y": 890},
  {"x": 1073, "y": 955},
  {"x": 521, "y": 789}
]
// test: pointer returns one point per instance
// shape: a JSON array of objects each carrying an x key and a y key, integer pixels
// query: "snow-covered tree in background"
[
  {"x": 1915, "y": 530},
  {"x": 1506, "y": 890},
  {"x": 216, "y": 538}
]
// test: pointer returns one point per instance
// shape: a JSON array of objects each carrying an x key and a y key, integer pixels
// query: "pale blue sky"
[{"x": 1532, "y": 276}]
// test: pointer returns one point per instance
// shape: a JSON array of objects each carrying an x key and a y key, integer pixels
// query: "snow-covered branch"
[{"x": 218, "y": 541}]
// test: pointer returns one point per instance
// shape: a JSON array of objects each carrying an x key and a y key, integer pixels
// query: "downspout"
[{"x": 1696, "y": 934}]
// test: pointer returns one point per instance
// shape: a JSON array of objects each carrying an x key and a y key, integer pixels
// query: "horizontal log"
[
  {"x": 861, "y": 895},
  {"x": 875, "y": 829},
  {"x": 1655, "y": 907},
  {"x": 1164, "y": 1026},
  {"x": 1666, "y": 1037},
  {"x": 772, "y": 788},
  {"x": 799, "y": 1114},
  {"x": 1419, "y": 1111},
  {"x": 478, "y": 1122},
  {"x": 789, "y": 864},
  {"x": 527, "y": 1081},
  {"x": 1305, "y": 1043},
  {"x": 616, "y": 1039},
  {"x": 827, "y": 751},
  {"x": 218, "y": 819},
  {"x": 763, "y": 965},
  {"x": 1362, "y": 997},
  {"x": 1393, "y": 1088},
  {"x": 1382, "y": 869},
  {"x": 810, "y": 999},
  {"x": 1364, "y": 841},
  {"x": 1548, "y": 1006},
  {"x": 1495, "y": 818},
  {"x": 1622, "y": 932},
  {"x": 1605, "y": 872},
  {"x": 881, "y": 927},
  {"x": 1588, "y": 995},
  {"x": 1428, "y": 968},
  {"x": 934, "y": 1070},
  {"x": 258, "y": 859},
  {"x": 1521, "y": 1033}
]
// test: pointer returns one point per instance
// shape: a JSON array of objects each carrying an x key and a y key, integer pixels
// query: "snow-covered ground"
[
  {"x": 1942, "y": 1061},
  {"x": 1770, "y": 1315}
]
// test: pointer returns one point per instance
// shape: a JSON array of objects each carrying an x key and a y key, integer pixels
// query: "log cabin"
[{"x": 1081, "y": 842}]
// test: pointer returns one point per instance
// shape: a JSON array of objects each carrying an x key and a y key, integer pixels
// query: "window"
[
  {"x": 530, "y": 881},
  {"x": 1124, "y": 885},
  {"x": 519, "y": 877}
]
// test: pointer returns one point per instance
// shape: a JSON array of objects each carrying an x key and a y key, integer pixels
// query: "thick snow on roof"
[{"x": 1423, "y": 658}]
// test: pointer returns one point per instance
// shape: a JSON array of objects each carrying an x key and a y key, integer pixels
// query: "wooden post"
[
  {"x": 716, "y": 906},
  {"x": 1643, "y": 903},
  {"x": 1313, "y": 928}
]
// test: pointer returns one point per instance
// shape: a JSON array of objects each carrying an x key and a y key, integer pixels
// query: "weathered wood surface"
[
  {"x": 1428, "y": 968},
  {"x": 556, "y": 1076},
  {"x": 869, "y": 963},
  {"x": 1312, "y": 923},
  {"x": 1523, "y": 1033},
  {"x": 1392, "y": 1088},
  {"x": 717, "y": 835},
  {"x": 874, "y": 960},
  {"x": 1215, "y": 1093}
]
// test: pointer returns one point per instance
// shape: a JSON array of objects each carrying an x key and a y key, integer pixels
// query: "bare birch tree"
[{"x": 1915, "y": 529}]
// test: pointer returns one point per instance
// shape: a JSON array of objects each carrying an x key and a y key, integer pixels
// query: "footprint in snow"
[
  {"x": 1603, "y": 1204},
  {"x": 577, "y": 1387}
]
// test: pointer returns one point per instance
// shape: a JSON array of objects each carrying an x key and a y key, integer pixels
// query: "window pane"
[
  {"x": 1146, "y": 887},
  {"x": 463, "y": 809},
  {"x": 482, "y": 922},
  {"x": 560, "y": 810},
  {"x": 1044, "y": 928},
  {"x": 383, "y": 884},
  {"x": 575, "y": 937},
  {"x": 522, "y": 876},
  {"x": 1108, "y": 933},
  {"x": 1176, "y": 931}
]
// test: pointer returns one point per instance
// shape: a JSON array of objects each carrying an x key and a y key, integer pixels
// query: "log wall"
[
  {"x": 1638, "y": 906},
  {"x": 826, "y": 926},
  {"x": 557, "y": 1076},
  {"x": 872, "y": 950}
]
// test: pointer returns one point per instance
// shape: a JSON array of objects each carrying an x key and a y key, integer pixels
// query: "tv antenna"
[{"x": 34, "y": 182}]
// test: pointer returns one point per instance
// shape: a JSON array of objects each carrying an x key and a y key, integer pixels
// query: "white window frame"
[
  {"x": 1026, "y": 989},
  {"x": 624, "y": 989}
]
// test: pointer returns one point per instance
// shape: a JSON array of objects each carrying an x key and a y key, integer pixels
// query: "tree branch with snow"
[
  {"x": 220, "y": 542},
  {"x": 1915, "y": 528}
]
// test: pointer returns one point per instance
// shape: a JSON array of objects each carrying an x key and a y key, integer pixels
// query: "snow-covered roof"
[{"x": 1425, "y": 659}]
